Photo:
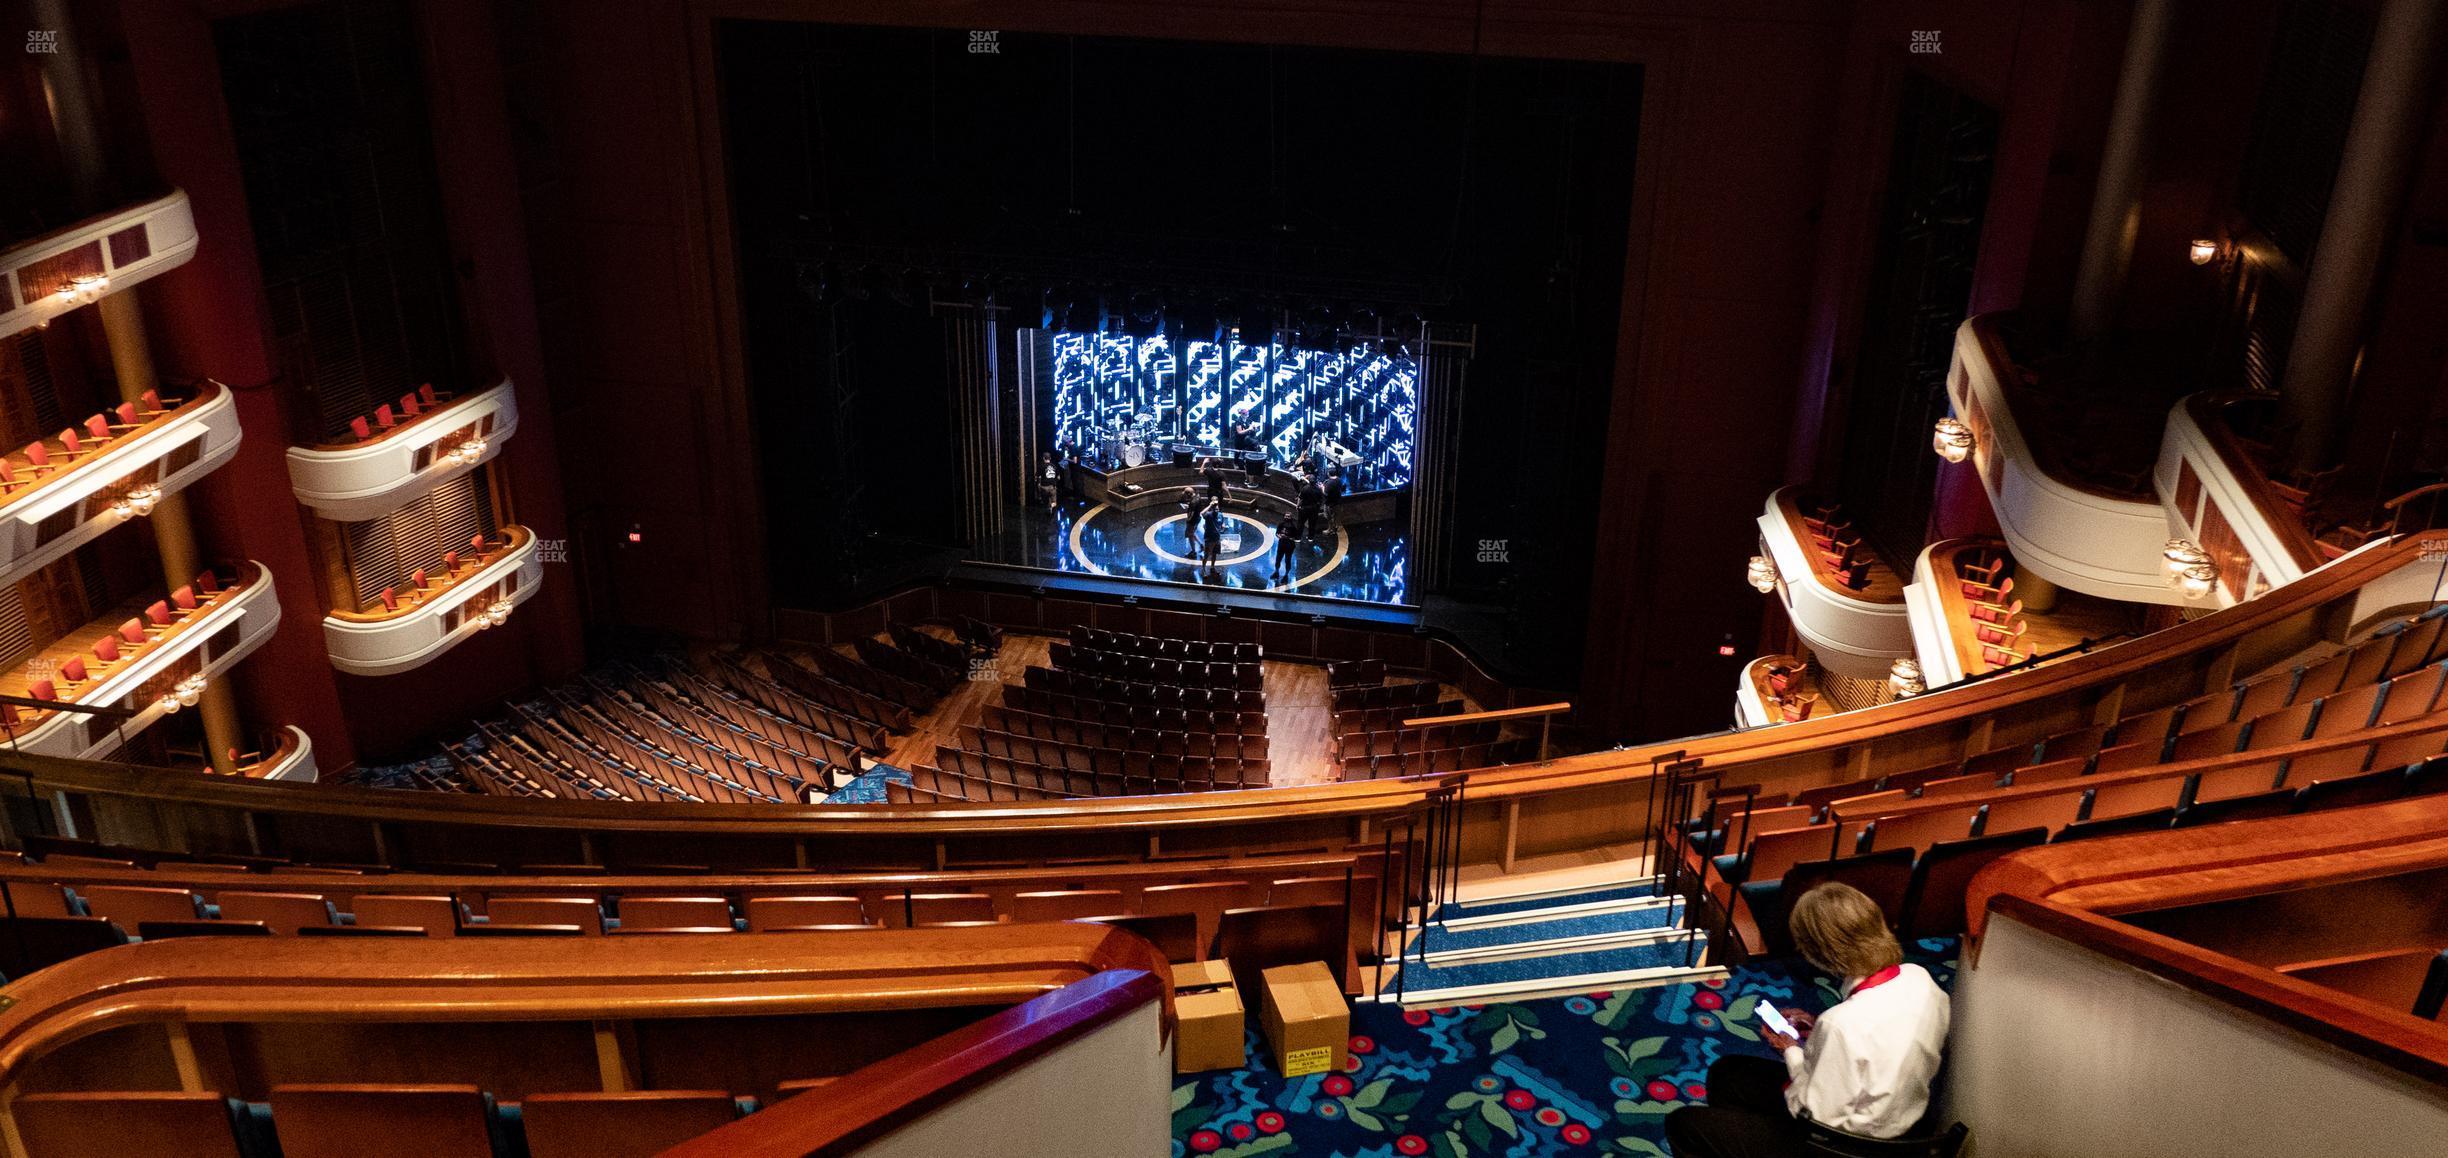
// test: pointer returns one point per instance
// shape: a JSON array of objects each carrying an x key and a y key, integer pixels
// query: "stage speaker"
[{"x": 1181, "y": 454}]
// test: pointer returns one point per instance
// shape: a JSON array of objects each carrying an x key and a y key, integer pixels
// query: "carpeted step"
[
  {"x": 1644, "y": 889},
  {"x": 1487, "y": 939},
  {"x": 1594, "y": 968}
]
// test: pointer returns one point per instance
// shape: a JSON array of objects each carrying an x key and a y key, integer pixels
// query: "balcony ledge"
[{"x": 1851, "y": 634}]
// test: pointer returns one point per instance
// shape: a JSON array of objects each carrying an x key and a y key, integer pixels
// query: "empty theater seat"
[
  {"x": 384, "y": 1121},
  {"x": 619, "y": 1125},
  {"x": 112, "y": 1124},
  {"x": 768, "y": 913},
  {"x": 584, "y": 912}
]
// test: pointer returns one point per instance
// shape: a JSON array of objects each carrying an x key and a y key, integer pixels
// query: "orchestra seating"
[
  {"x": 2359, "y": 725},
  {"x": 672, "y": 730},
  {"x": 1368, "y": 733}
]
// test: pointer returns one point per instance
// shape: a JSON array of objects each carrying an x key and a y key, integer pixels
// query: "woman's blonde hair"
[{"x": 1841, "y": 930}]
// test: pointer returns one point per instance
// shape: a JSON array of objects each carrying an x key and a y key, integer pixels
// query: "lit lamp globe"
[
  {"x": 2198, "y": 581},
  {"x": 2203, "y": 251},
  {"x": 1952, "y": 440},
  {"x": 1763, "y": 573},
  {"x": 1904, "y": 678},
  {"x": 2180, "y": 556}
]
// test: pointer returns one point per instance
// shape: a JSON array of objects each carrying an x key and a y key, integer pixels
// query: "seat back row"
[
  {"x": 1165, "y": 647},
  {"x": 1147, "y": 669},
  {"x": 1020, "y": 697},
  {"x": 1119, "y": 691},
  {"x": 1159, "y": 740},
  {"x": 371, "y": 1121}
]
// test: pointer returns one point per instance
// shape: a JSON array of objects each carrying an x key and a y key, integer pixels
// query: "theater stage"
[{"x": 1366, "y": 562}]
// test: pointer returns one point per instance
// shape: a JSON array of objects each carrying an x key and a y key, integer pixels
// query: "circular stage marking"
[{"x": 1266, "y": 541}]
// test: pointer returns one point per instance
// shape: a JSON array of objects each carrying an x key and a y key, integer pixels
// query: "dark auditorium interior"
[{"x": 1224, "y": 578}]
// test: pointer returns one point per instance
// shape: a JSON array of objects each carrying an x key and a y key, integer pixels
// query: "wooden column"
[{"x": 173, "y": 525}]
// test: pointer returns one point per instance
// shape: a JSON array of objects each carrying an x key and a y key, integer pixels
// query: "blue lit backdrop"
[{"x": 1194, "y": 391}]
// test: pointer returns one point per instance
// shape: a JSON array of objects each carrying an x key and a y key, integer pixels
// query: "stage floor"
[{"x": 1367, "y": 562}]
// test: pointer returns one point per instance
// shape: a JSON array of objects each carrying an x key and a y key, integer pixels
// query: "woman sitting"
[{"x": 1863, "y": 1067}]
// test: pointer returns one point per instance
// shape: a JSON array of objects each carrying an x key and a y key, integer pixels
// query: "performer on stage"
[
  {"x": 1073, "y": 471},
  {"x": 1194, "y": 510},
  {"x": 1312, "y": 506},
  {"x": 1287, "y": 542},
  {"x": 1334, "y": 490},
  {"x": 1049, "y": 478},
  {"x": 1211, "y": 538},
  {"x": 1245, "y": 427}
]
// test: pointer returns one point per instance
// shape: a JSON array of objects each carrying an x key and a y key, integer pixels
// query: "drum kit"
[{"x": 1129, "y": 443}]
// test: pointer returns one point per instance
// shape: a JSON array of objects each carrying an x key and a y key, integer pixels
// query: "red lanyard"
[{"x": 1877, "y": 979}]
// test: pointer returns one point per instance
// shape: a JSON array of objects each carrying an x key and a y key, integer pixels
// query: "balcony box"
[
  {"x": 352, "y": 482},
  {"x": 384, "y": 641},
  {"x": 209, "y": 641},
  {"x": 45, "y": 519},
  {"x": 1852, "y": 632},
  {"x": 92, "y": 257}
]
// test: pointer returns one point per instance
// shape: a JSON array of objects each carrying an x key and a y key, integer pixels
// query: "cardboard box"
[
  {"x": 1306, "y": 1021},
  {"x": 1208, "y": 1006}
]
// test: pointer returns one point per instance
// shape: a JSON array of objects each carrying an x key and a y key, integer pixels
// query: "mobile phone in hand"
[{"x": 1776, "y": 1022}]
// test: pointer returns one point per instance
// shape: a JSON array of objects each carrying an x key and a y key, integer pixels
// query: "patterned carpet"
[{"x": 1595, "y": 1074}]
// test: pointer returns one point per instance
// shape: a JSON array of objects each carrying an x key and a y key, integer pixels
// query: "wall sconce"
[
  {"x": 185, "y": 695},
  {"x": 1763, "y": 573},
  {"x": 83, "y": 288},
  {"x": 138, "y": 500},
  {"x": 468, "y": 451},
  {"x": 2203, "y": 251},
  {"x": 1952, "y": 440},
  {"x": 496, "y": 613},
  {"x": 1904, "y": 678},
  {"x": 2179, "y": 556},
  {"x": 2199, "y": 580}
]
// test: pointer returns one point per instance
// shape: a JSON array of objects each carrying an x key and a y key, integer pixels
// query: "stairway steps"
[
  {"x": 1659, "y": 919},
  {"x": 1592, "y": 968},
  {"x": 1531, "y": 903}
]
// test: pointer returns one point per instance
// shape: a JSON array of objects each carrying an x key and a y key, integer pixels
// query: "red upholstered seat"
[
  {"x": 185, "y": 598},
  {"x": 73, "y": 670},
  {"x": 113, "y": 1124},
  {"x": 361, "y": 428},
  {"x": 382, "y": 1121},
  {"x": 98, "y": 427},
  {"x": 128, "y": 414},
  {"x": 612, "y": 1125},
  {"x": 383, "y": 418}
]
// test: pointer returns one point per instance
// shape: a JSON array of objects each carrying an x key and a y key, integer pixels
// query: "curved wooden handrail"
[
  {"x": 56, "y": 478},
  {"x": 1533, "y": 711},
  {"x": 2195, "y": 642},
  {"x": 2077, "y": 892},
  {"x": 2411, "y": 495},
  {"x": 425, "y": 421},
  {"x": 814, "y": 882},
  {"x": 888, "y": 1094},
  {"x": 516, "y": 979}
]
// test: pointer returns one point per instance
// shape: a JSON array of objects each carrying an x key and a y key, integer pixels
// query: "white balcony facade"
[
  {"x": 355, "y": 482},
  {"x": 384, "y": 642},
  {"x": 2077, "y": 538},
  {"x": 2215, "y": 496},
  {"x": 1850, "y": 634},
  {"x": 64, "y": 510},
  {"x": 207, "y": 642},
  {"x": 66, "y": 268}
]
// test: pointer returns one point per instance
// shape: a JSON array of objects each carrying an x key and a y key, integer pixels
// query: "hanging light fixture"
[
  {"x": 468, "y": 451},
  {"x": 136, "y": 500},
  {"x": 185, "y": 695},
  {"x": 496, "y": 613},
  {"x": 2203, "y": 251},
  {"x": 2198, "y": 580},
  {"x": 1763, "y": 573},
  {"x": 1952, "y": 440},
  {"x": 83, "y": 288},
  {"x": 1904, "y": 678}
]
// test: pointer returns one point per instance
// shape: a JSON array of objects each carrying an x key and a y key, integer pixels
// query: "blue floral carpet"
[{"x": 1595, "y": 1074}]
